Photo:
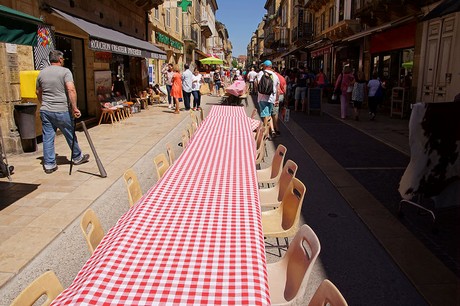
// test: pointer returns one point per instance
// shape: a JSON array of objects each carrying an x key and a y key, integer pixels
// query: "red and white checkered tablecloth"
[
  {"x": 223, "y": 110},
  {"x": 194, "y": 238}
]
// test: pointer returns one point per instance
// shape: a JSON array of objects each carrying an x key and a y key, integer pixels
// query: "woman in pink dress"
[
  {"x": 176, "y": 89},
  {"x": 345, "y": 82}
]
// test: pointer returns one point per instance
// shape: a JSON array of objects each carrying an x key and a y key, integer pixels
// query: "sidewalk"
[{"x": 40, "y": 206}]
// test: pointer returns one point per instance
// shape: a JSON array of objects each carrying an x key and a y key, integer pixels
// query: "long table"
[{"x": 195, "y": 237}]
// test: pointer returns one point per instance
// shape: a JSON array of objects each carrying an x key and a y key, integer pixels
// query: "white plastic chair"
[
  {"x": 272, "y": 197},
  {"x": 272, "y": 173},
  {"x": 288, "y": 278},
  {"x": 283, "y": 221},
  {"x": 327, "y": 294}
]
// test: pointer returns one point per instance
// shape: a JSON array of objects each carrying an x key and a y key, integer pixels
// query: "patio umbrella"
[{"x": 211, "y": 61}]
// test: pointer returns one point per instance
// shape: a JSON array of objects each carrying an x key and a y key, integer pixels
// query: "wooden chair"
[
  {"x": 283, "y": 221},
  {"x": 92, "y": 229},
  {"x": 272, "y": 173},
  {"x": 272, "y": 197},
  {"x": 161, "y": 164},
  {"x": 288, "y": 278},
  {"x": 327, "y": 294},
  {"x": 133, "y": 187},
  {"x": 108, "y": 112},
  {"x": 171, "y": 155},
  {"x": 46, "y": 284},
  {"x": 154, "y": 98}
]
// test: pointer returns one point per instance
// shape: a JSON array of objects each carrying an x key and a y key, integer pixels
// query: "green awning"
[{"x": 17, "y": 27}]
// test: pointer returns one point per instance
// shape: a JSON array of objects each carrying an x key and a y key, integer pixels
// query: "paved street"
[{"x": 371, "y": 257}]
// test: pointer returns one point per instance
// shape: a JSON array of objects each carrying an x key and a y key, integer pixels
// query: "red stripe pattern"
[{"x": 194, "y": 238}]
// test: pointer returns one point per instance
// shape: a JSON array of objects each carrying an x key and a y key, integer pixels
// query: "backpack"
[
  {"x": 265, "y": 85},
  {"x": 216, "y": 77}
]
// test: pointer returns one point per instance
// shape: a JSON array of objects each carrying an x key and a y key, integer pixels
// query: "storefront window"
[{"x": 341, "y": 9}]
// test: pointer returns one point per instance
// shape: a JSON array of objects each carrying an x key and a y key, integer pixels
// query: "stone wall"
[{"x": 13, "y": 59}]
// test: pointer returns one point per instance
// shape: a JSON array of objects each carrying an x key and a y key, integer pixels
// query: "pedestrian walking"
[
  {"x": 252, "y": 75},
  {"x": 217, "y": 78},
  {"x": 359, "y": 94},
  {"x": 375, "y": 94},
  {"x": 196, "y": 84},
  {"x": 300, "y": 89},
  {"x": 279, "y": 103},
  {"x": 344, "y": 83},
  {"x": 168, "y": 74},
  {"x": 187, "y": 77},
  {"x": 176, "y": 89},
  {"x": 58, "y": 97},
  {"x": 320, "y": 79},
  {"x": 267, "y": 93}
]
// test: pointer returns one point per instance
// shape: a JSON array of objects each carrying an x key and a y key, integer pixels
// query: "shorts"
[
  {"x": 300, "y": 93},
  {"x": 266, "y": 109},
  {"x": 275, "y": 110}
]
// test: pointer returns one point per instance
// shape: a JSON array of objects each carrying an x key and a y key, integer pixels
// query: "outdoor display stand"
[
  {"x": 315, "y": 99},
  {"x": 397, "y": 101}
]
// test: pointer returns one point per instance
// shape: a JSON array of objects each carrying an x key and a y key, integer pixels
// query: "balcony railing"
[
  {"x": 190, "y": 34},
  {"x": 303, "y": 32}
]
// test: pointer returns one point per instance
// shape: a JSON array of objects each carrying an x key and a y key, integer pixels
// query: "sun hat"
[{"x": 267, "y": 63}]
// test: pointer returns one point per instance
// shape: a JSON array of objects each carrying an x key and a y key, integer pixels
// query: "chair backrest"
[
  {"x": 327, "y": 294},
  {"x": 278, "y": 161},
  {"x": 300, "y": 259},
  {"x": 171, "y": 155},
  {"x": 288, "y": 173},
  {"x": 194, "y": 117},
  {"x": 185, "y": 139},
  {"x": 260, "y": 144},
  {"x": 161, "y": 164},
  {"x": 254, "y": 113},
  {"x": 201, "y": 114},
  {"x": 189, "y": 131},
  {"x": 133, "y": 186},
  {"x": 194, "y": 127},
  {"x": 92, "y": 229},
  {"x": 46, "y": 284},
  {"x": 291, "y": 205}
]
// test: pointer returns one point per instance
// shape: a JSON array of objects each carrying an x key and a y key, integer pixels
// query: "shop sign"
[
  {"x": 103, "y": 46},
  {"x": 168, "y": 41},
  {"x": 322, "y": 51},
  {"x": 98, "y": 45}
]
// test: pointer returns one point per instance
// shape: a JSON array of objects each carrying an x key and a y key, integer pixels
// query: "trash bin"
[{"x": 24, "y": 115}]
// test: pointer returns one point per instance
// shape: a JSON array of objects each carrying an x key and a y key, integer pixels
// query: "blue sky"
[{"x": 241, "y": 18}]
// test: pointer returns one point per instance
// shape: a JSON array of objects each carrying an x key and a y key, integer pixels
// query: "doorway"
[{"x": 74, "y": 60}]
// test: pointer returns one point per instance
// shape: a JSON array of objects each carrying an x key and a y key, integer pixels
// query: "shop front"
[
  {"x": 103, "y": 61},
  {"x": 392, "y": 56}
]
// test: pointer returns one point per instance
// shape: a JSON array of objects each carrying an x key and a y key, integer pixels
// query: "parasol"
[{"x": 211, "y": 61}]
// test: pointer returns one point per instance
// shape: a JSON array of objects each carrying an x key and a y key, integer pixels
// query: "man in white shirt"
[
  {"x": 187, "y": 77},
  {"x": 267, "y": 102},
  {"x": 252, "y": 75}
]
